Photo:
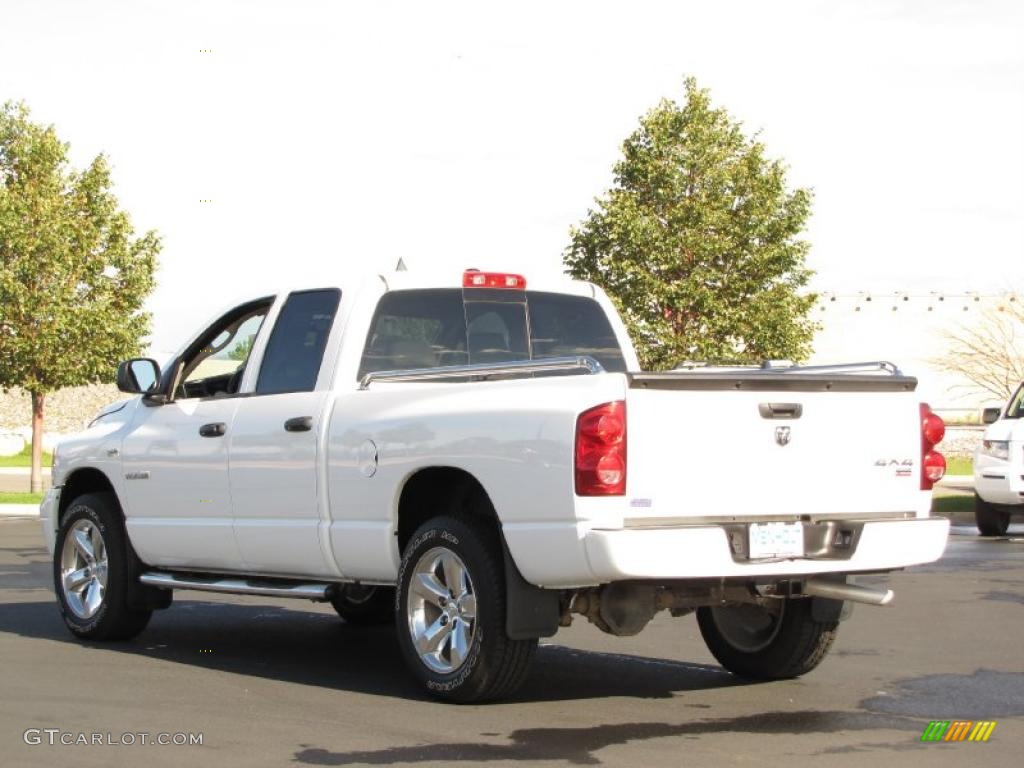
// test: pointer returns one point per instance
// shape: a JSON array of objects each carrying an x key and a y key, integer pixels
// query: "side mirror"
[
  {"x": 991, "y": 415},
  {"x": 138, "y": 376}
]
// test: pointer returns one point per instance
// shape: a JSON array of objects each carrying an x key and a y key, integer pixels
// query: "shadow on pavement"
[
  {"x": 319, "y": 649},
  {"x": 578, "y": 745}
]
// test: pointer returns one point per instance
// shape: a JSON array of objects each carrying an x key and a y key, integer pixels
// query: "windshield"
[{"x": 1016, "y": 407}]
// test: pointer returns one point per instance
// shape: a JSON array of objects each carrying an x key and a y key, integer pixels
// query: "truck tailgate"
[{"x": 703, "y": 445}]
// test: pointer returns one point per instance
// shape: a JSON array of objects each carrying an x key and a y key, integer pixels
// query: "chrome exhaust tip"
[{"x": 855, "y": 593}]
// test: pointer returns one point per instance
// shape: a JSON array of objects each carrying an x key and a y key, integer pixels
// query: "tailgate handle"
[{"x": 780, "y": 410}]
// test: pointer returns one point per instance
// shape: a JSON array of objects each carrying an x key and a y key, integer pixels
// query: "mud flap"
[
  {"x": 529, "y": 610},
  {"x": 142, "y": 597}
]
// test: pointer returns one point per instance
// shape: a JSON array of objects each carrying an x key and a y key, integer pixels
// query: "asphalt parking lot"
[{"x": 274, "y": 682}]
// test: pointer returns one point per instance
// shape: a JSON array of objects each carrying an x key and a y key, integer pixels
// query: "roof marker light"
[{"x": 472, "y": 278}]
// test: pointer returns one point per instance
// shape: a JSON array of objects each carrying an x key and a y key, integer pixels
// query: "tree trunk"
[{"x": 38, "y": 402}]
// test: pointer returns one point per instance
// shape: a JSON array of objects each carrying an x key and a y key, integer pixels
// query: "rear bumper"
[{"x": 703, "y": 552}]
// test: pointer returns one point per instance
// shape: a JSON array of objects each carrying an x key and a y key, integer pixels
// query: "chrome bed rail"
[{"x": 483, "y": 371}]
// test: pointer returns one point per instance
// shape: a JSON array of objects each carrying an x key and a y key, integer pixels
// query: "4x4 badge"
[{"x": 782, "y": 435}]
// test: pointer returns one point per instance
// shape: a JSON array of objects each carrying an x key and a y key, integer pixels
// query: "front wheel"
[
  {"x": 450, "y": 613},
  {"x": 92, "y": 571},
  {"x": 991, "y": 520},
  {"x": 766, "y": 644}
]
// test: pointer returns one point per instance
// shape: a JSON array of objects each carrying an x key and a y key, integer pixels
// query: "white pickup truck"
[
  {"x": 478, "y": 460},
  {"x": 999, "y": 467}
]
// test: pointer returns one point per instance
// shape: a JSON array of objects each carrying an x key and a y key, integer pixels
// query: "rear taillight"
[
  {"x": 601, "y": 450},
  {"x": 933, "y": 428},
  {"x": 933, "y": 463}
]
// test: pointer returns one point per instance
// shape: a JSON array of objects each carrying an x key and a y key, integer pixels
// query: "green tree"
[
  {"x": 697, "y": 242},
  {"x": 242, "y": 349},
  {"x": 73, "y": 276}
]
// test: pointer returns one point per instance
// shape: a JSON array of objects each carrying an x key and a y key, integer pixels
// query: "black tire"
[
  {"x": 98, "y": 514},
  {"x": 790, "y": 645},
  {"x": 991, "y": 520},
  {"x": 494, "y": 665},
  {"x": 364, "y": 604}
]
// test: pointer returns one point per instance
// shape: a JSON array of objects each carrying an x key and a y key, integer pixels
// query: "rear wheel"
[
  {"x": 991, "y": 520},
  {"x": 365, "y": 604},
  {"x": 764, "y": 644},
  {"x": 93, "y": 565},
  {"x": 450, "y": 613}
]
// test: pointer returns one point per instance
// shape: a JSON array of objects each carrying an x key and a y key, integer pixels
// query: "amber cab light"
[{"x": 601, "y": 450}]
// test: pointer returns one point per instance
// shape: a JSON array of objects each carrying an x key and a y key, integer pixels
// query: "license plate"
[{"x": 776, "y": 540}]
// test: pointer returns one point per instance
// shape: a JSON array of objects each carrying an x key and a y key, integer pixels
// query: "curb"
[{"x": 963, "y": 482}]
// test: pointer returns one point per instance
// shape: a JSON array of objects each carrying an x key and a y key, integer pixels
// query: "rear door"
[{"x": 274, "y": 443}]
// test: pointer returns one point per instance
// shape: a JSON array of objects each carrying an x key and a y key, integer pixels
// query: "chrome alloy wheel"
[
  {"x": 748, "y": 628},
  {"x": 83, "y": 569},
  {"x": 441, "y": 610}
]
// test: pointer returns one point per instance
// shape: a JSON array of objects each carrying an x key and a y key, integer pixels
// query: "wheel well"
[
  {"x": 86, "y": 480},
  {"x": 437, "y": 490}
]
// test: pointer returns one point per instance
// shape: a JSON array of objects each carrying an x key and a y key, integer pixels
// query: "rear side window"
[
  {"x": 416, "y": 329},
  {"x": 296, "y": 346},
  {"x": 567, "y": 326}
]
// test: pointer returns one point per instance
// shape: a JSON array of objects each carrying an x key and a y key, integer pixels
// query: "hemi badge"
[{"x": 136, "y": 476}]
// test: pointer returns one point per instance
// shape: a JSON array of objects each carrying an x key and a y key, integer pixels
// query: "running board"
[{"x": 236, "y": 586}]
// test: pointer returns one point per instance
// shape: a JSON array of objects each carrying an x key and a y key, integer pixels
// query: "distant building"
[{"x": 910, "y": 330}]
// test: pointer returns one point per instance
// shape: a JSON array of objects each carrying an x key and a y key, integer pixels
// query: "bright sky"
[{"x": 333, "y": 136}]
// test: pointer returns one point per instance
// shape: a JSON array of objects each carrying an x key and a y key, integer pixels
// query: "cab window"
[
  {"x": 496, "y": 330},
  {"x": 442, "y": 327},
  {"x": 296, "y": 346},
  {"x": 214, "y": 365},
  {"x": 416, "y": 329},
  {"x": 563, "y": 325}
]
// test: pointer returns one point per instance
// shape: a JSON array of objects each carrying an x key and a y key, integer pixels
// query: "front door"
[
  {"x": 176, "y": 497},
  {"x": 176, "y": 488}
]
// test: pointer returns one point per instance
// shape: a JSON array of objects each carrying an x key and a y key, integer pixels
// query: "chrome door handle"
[
  {"x": 299, "y": 424},
  {"x": 216, "y": 429}
]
